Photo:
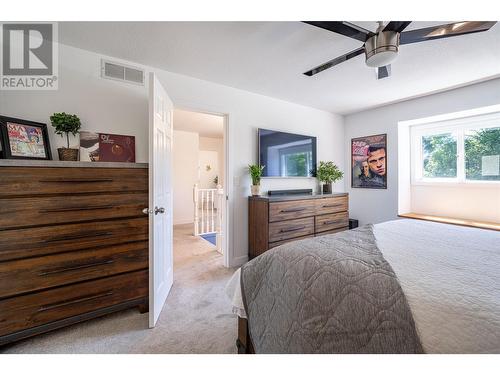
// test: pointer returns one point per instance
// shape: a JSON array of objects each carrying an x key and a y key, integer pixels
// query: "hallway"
[{"x": 197, "y": 317}]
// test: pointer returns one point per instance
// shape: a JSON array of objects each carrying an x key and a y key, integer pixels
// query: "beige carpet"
[{"x": 196, "y": 318}]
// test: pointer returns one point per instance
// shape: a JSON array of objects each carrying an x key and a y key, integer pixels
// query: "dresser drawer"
[
  {"x": 17, "y": 181},
  {"x": 32, "y": 310},
  {"x": 32, "y": 274},
  {"x": 283, "y": 230},
  {"x": 24, "y": 212},
  {"x": 331, "y": 205},
  {"x": 290, "y": 210},
  {"x": 39, "y": 241},
  {"x": 275, "y": 244},
  {"x": 331, "y": 221},
  {"x": 333, "y": 231}
]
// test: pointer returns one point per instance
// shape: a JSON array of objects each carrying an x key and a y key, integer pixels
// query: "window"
[{"x": 457, "y": 151}]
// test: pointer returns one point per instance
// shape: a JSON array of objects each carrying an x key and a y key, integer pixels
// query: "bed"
[{"x": 449, "y": 276}]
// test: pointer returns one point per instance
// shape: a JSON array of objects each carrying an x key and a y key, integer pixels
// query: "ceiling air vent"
[{"x": 120, "y": 72}]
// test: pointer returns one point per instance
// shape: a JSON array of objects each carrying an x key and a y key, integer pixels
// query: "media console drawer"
[
  {"x": 331, "y": 205},
  {"x": 282, "y": 230},
  {"x": 279, "y": 211},
  {"x": 328, "y": 222}
]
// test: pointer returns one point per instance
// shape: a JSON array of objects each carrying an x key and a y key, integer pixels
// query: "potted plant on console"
[
  {"x": 256, "y": 173},
  {"x": 327, "y": 174},
  {"x": 65, "y": 123}
]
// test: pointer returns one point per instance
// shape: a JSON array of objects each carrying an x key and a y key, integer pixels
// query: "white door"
[{"x": 161, "y": 275}]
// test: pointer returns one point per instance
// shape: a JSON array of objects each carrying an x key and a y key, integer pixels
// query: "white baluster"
[
  {"x": 202, "y": 210},
  {"x": 196, "y": 205},
  {"x": 212, "y": 214},
  {"x": 220, "y": 205}
]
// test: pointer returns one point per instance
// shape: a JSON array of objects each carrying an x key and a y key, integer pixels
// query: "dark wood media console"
[{"x": 275, "y": 220}]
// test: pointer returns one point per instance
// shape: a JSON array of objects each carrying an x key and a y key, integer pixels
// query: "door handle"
[
  {"x": 159, "y": 210},
  {"x": 147, "y": 211}
]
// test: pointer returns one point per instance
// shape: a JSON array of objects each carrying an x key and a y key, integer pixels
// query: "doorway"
[{"x": 199, "y": 184}]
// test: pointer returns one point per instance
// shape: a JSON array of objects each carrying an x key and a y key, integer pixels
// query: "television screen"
[{"x": 286, "y": 155}]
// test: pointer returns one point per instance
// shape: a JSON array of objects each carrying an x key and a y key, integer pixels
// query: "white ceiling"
[
  {"x": 204, "y": 124},
  {"x": 269, "y": 58}
]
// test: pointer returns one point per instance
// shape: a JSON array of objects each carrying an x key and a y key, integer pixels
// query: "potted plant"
[
  {"x": 256, "y": 173},
  {"x": 65, "y": 123},
  {"x": 327, "y": 174}
]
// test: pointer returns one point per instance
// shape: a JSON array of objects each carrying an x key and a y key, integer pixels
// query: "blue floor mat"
[{"x": 210, "y": 237}]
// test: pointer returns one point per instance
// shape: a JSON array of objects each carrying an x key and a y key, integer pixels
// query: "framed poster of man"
[{"x": 369, "y": 162}]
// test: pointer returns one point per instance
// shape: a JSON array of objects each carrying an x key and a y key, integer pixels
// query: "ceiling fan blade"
[
  {"x": 383, "y": 71},
  {"x": 445, "y": 31},
  {"x": 344, "y": 28},
  {"x": 335, "y": 61},
  {"x": 398, "y": 26}
]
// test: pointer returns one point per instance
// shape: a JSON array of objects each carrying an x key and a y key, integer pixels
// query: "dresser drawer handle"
[
  {"x": 292, "y": 229},
  {"x": 77, "y": 180},
  {"x": 74, "y": 268},
  {"x": 298, "y": 209},
  {"x": 333, "y": 205},
  {"x": 79, "y": 236},
  {"x": 328, "y": 222},
  {"x": 67, "y": 209},
  {"x": 76, "y": 300}
]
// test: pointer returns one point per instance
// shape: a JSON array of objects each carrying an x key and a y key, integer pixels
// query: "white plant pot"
[{"x": 255, "y": 190}]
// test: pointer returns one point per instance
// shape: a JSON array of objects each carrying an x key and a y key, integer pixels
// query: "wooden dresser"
[
  {"x": 273, "y": 221},
  {"x": 73, "y": 243}
]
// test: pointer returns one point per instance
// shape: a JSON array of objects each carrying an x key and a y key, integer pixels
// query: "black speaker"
[
  {"x": 290, "y": 192},
  {"x": 353, "y": 223}
]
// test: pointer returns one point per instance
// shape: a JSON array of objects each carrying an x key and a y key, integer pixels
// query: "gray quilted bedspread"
[{"x": 329, "y": 294}]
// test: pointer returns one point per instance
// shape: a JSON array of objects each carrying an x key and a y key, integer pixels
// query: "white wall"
[
  {"x": 217, "y": 145},
  {"x": 105, "y": 105},
  {"x": 185, "y": 164},
  {"x": 373, "y": 206},
  {"x": 208, "y": 158}
]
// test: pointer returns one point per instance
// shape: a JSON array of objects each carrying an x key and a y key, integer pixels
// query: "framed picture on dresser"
[
  {"x": 23, "y": 139},
  {"x": 369, "y": 162}
]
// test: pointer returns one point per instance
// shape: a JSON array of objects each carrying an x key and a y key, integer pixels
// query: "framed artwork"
[
  {"x": 107, "y": 147},
  {"x": 369, "y": 162},
  {"x": 23, "y": 139}
]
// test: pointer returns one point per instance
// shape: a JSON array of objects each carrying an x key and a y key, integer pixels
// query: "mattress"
[{"x": 450, "y": 276}]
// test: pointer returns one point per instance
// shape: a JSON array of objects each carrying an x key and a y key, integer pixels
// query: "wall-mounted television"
[{"x": 286, "y": 154}]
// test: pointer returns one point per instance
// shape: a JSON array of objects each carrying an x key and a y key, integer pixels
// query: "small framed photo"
[
  {"x": 369, "y": 162},
  {"x": 23, "y": 139}
]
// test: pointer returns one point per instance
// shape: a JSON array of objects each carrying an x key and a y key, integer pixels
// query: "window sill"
[
  {"x": 470, "y": 184},
  {"x": 454, "y": 221}
]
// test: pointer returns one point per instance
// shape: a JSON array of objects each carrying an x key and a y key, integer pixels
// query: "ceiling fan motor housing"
[{"x": 382, "y": 48}]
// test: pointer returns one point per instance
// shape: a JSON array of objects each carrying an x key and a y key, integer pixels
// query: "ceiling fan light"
[
  {"x": 382, "y": 58},
  {"x": 381, "y": 49}
]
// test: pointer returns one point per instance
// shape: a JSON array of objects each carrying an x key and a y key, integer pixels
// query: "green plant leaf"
[{"x": 328, "y": 172}]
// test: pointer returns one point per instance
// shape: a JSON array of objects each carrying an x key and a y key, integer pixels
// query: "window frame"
[{"x": 458, "y": 128}]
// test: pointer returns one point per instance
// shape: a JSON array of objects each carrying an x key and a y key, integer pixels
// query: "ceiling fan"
[{"x": 381, "y": 47}]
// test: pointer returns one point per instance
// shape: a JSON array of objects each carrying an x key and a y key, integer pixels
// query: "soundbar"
[{"x": 290, "y": 192}]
